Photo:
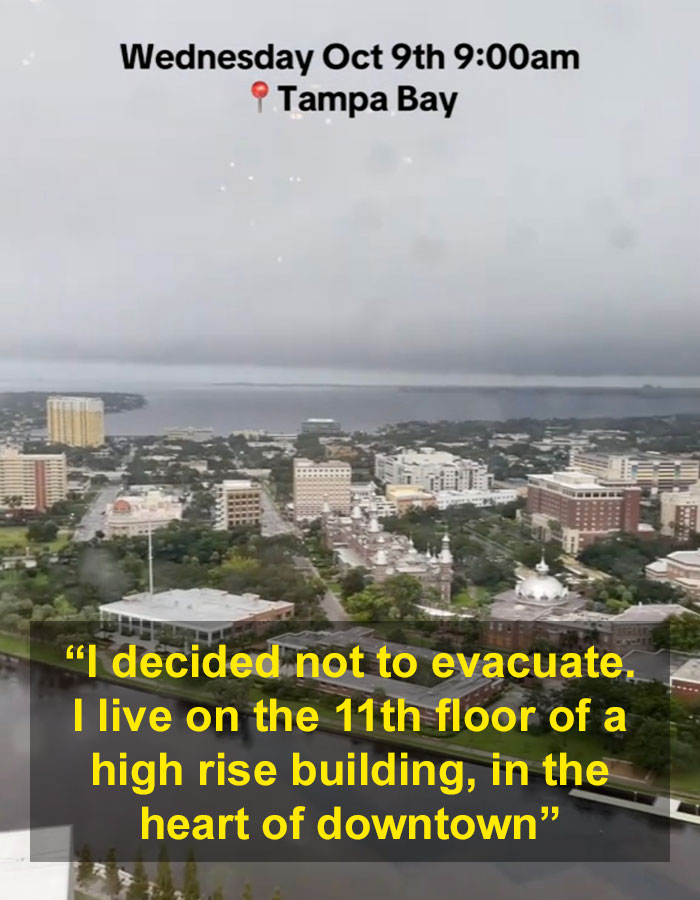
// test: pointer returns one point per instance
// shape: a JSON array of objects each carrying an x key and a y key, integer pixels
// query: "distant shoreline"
[{"x": 641, "y": 391}]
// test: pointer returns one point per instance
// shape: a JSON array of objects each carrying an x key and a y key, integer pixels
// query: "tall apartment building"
[
  {"x": 32, "y": 480},
  {"x": 316, "y": 483},
  {"x": 651, "y": 471},
  {"x": 433, "y": 470},
  {"x": 76, "y": 421},
  {"x": 576, "y": 509},
  {"x": 238, "y": 502},
  {"x": 680, "y": 512}
]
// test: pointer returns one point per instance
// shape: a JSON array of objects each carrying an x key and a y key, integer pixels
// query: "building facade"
[
  {"x": 473, "y": 690},
  {"x": 76, "y": 421},
  {"x": 136, "y": 514},
  {"x": 541, "y": 608},
  {"x": 680, "y": 569},
  {"x": 446, "y": 499},
  {"x": 406, "y": 497},
  {"x": 359, "y": 541},
  {"x": 680, "y": 512},
  {"x": 320, "y": 426},
  {"x": 318, "y": 482},
  {"x": 433, "y": 470},
  {"x": 32, "y": 480},
  {"x": 577, "y": 510},
  {"x": 651, "y": 471},
  {"x": 189, "y": 433},
  {"x": 200, "y": 615},
  {"x": 238, "y": 502}
]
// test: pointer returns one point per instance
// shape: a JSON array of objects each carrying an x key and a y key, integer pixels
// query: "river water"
[{"x": 583, "y": 830}]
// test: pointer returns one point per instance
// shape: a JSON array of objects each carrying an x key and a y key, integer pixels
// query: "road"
[
  {"x": 93, "y": 520},
  {"x": 272, "y": 522},
  {"x": 330, "y": 603}
]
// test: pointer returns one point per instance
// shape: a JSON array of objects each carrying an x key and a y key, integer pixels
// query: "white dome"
[{"x": 541, "y": 587}]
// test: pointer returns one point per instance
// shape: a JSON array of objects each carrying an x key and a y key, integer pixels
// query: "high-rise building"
[
  {"x": 433, "y": 470},
  {"x": 238, "y": 502},
  {"x": 76, "y": 421},
  {"x": 577, "y": 510},
  {"x": 32, "y": 480},
  {"x": 651, "y": 471},
  {"x": 316, "y": 483},
  {"x": 680, "y": 512}
]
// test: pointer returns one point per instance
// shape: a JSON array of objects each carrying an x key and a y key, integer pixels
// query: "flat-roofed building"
[
  {"x": 76, "y": 421},
  {"x": 651, "y": 471},
  {"x": 37, "y": 864},
  {"x": 447, "y": 499},
  {"x": 190, "y": 433},
  {"x": 196, "y": 616},
  {"x": 473, "y": 690},
  {"x": 680, "y": 512},
  {"x": 32, "y": 480},
  {"x": 576, "y": 509},
  {"x": 432, "y": 470},
  {"x": 317, "y": 483},
  {"x": 406, "y": 497},
  {"x": 238, "y": 502},
  {"x": 320, "y": 426}
]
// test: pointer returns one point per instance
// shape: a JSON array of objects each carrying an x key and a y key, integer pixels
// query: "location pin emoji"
[{"x": 259, "y": 90}]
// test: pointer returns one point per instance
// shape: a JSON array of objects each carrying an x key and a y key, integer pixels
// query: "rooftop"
[
  {"x": 689, "y": 671},
  {"x": 205, "y": 606},
  {"x": 47, "y": 875}
]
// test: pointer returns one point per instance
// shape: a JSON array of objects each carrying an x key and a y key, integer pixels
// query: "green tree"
[
  {"x": 164, "y": 888},
  {"x": 247, "y": 892},
  {"x": 139, "y": 887},
  {"x": 190, "y": 885},
  {"x": 113, "y": 884},
  {"x": 353, "y": 582},
  {"x": 86, "y": 866}
]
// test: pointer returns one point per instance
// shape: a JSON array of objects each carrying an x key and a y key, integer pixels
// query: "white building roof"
[
  {"x": 238, "y": 484},
  {"x": 47, "y": 876},
  {"x": 686, "y": 557},
  {"x": 205, "y": 606},
  {"x": 689, "y": 671}
]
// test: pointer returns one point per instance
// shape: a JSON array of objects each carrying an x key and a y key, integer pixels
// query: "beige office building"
[
  {"x": 316, "y": 483},
  {"x": 76, "y": 421},
  {"x": 238, "y": 502},
  {"x": 32, "y": 480}
]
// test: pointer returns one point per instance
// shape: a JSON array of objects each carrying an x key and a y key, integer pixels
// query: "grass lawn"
[
  {"x": 16, "y": 535},
  {"x": 531, "y": 746}
]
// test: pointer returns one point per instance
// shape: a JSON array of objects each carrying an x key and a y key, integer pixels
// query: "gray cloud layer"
[{"x": 551, "y": 225}]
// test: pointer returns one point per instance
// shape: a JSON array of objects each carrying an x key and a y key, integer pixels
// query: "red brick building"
[{"x": 573, "y": 508}]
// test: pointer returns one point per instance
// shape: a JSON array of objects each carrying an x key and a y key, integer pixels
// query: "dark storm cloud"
[{"x": 550, "y": 226}]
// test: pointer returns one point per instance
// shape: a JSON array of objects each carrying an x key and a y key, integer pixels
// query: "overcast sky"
[{"x": 549, "y": 227}]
